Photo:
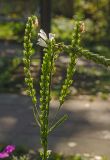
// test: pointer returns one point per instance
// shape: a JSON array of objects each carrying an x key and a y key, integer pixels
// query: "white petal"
[
  {"x": 43, "y": 35},
  {"x": 41, "y": 42},
  {"x": 51, "y": 36}
]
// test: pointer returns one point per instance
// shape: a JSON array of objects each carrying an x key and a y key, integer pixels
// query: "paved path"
[{"x": 86, "y": 131}]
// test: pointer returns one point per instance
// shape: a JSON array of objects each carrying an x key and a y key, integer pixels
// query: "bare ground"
[{"x": 86, "y": 131}]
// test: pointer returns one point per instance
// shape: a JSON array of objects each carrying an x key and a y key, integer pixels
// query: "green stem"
[
  {"x": 48, "y": 58},
  {"x": 50, "y": 81},
  {"x": 45, "y": 151},
  {"x": 94, "y": 57}
]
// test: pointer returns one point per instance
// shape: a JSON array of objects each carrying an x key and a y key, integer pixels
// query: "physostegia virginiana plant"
[{"x": 51, "y": 52}]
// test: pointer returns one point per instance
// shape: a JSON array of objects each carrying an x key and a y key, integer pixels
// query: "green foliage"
[
  {"x": 51, "y": 52},
  {"x": 6, "y": 32},
  {"x": 59, "y": 27},
  {"x": 101, "y": 50},
  {"x": 23, "y": 153},
  {"x": 18, "y": 30},
  {"x": 96, "y": 15},
  {"x": 20, "y": 158},
  {"x": 17, "y": 8},
  {"x": 57, "y": 157},
  {"x": 62, "y": 7},
  {"x": 7, "y": 67},
  {"x": 94, "y": 57}
]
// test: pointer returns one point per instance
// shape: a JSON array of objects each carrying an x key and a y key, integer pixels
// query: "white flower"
[
  {"x": 51, "y": 36},
  {"x": 42, "y": 40},
  {"x": 43, "y": 35}
]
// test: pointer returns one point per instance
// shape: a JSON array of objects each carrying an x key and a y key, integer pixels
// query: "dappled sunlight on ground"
[{"x": 86, "y": 131}]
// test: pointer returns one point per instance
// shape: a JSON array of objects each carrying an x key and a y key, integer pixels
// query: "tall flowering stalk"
[
  {"x": 72, "y": 65},
  {"x": 45, "y": 85},
  {"x": 32, "y": 21},
  {"x": 51, "y": 52}
]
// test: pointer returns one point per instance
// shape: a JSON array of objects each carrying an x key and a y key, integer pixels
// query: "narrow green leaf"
[{"x": 58, "y": 123}]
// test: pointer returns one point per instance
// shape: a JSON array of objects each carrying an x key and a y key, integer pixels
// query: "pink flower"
[
  {"x": 7, "y": 151},
  {"x": 4, "y": 155}
]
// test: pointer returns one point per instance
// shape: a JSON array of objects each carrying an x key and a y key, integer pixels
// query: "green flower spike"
[
  {"x": 72, "y": 65},
  {"x": 27, "y": 61}
]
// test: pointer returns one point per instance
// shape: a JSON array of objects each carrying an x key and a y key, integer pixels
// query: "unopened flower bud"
[
  {"x": 36, "y": 22},
  {"x": 82, "y": 27}
]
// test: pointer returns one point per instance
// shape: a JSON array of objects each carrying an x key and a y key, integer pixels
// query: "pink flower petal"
[
  {"x": 4, "y": 155},
  {"x": 9, "y": 149}
]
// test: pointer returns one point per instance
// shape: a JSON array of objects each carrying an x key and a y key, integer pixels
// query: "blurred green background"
[{"x": 89, "y": 78}]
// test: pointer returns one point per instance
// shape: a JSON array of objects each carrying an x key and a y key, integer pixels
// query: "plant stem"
[
  {"x": 46, "y": 78},
  {"x": 45, "y": 150}
]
